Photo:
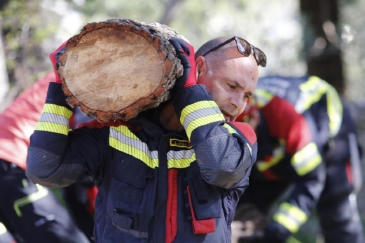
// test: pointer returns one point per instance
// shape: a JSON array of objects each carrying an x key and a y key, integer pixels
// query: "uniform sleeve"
[
  {"x": 225, "y": 152},
  {"x": 57, "y": 156},
  {"x": 297, "y": 158}
]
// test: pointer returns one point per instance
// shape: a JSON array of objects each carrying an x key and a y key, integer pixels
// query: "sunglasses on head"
[{"x": 245, "y": 48}]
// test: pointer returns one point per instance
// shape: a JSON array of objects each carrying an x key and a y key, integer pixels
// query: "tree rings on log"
[{"x": 117, "y": 68}]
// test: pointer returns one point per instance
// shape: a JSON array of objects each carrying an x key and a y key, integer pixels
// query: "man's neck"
[{"x": 169, "y": 119}]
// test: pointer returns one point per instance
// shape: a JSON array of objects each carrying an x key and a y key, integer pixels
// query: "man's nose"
[{"x": 239, "y": 101}]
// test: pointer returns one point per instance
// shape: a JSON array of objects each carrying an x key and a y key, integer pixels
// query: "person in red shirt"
[{"x": 30, "y": 212}]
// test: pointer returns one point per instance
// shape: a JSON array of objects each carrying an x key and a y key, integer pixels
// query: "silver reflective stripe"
[
  {"x": 54, "y": 118},
  {"x": 125, "y": 141},
  {"x": 200, "y": 113},
  {"x": 180, "y": 159},
  {"x": 305, "y": 160}
]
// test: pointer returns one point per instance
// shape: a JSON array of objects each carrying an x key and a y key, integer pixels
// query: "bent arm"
[
  {"x": 225, "y": 152},
  {"x": 294, "y": 211},
  {"x": 54, "y": 160}
]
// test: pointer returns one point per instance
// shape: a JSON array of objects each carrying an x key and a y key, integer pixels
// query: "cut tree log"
[{"x": 118, "y": 68}]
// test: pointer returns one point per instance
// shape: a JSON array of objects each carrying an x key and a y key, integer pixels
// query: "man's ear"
[{"x": 201, "y": 66}]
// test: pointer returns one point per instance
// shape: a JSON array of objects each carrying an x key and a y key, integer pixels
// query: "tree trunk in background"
[
  {"x": 322, "y": 41},
  {"x": 170, "y": 11},
  {"x": 4, "y": 80}
]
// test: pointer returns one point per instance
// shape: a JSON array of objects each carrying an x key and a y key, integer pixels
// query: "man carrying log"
[{"x": 175, "y": 172}]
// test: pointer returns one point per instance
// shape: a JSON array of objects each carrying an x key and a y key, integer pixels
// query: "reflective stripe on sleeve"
[
  {"x": 40, "y": 193},
  {"x": 229, "y": 128},
  {"x": 278, "y": 155},
  {"x": 263, "y": 97},
  {"x": 312, "y": 91},
  {"x": 290, "y": 216},
  {"x": 305, "y": 160},
  {"x": 55, "y": 119},
  {"x": 199, "y": 114},
  {"x": 335, "y": 111}
]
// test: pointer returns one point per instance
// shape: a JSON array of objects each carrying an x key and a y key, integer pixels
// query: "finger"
[
  {"x": 184, "y": 46},
  {"x": 180, "y": 45}
]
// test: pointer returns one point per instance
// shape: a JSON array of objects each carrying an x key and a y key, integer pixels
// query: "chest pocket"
[
  {"x": 132, "y": 185},
  {"x": 133, "y": 177},
  {"x": 206, "y": 198}
]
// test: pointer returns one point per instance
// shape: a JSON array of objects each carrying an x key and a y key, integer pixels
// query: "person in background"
[
  {"x": 175, "y": 172},
  {"x": 308, "y": 159},
  {"x": 29, "y": 211}
]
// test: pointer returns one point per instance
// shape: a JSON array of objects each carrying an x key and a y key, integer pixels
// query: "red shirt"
[{"x": 18, "y": 121}]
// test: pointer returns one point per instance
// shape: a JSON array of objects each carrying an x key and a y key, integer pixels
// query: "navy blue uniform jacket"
[{"x": 153, "y": 185}]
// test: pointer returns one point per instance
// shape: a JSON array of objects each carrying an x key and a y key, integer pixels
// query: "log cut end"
[{"x": 118, "y": 68}]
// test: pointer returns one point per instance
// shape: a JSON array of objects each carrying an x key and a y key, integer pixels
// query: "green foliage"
[
  {"x": 24, "y": 29},
  {"x": 353, "y": 35},
  {"x": 33, "y": 28}
]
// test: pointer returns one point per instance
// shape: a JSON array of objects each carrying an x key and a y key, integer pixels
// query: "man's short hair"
[{"x": 209, "y": 45}]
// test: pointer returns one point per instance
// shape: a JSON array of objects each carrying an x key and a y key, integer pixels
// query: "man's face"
[{"x": 230, "y": 82}]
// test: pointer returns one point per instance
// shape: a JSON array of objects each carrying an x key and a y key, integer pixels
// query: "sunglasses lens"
[
  {"x": 260, "y": 57},
  {"x": 244, "y": 47}
]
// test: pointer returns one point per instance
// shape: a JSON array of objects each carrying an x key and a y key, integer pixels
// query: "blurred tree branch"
[
  {"x": 322, "y": 41},
  {"x": 4, "y": 80},
  {"x": 170, "y": 11}
]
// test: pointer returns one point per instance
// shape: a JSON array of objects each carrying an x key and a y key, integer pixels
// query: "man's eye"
[{"x": 231, "y": 86}]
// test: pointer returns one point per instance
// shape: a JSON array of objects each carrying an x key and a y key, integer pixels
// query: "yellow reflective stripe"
[
  {"x": 263, "y": 97},
  {"x": 52, "y": 127},
  {"x": 278, "y": 155},
  {"x": 335, "y": 110},
  {"x": 201, "y": 122},
  {"x": 311, "y": 84},
  {"x": 265, "y": 165},
  {"x": 42, "y": 192},
  {"x": 312, "y": 91},
  {"x": 180, "y": 159},
  {"x": 122, "y": 139},
  {"x": 57, "y": 109},
  {"x": 2, "y": 229},
  {"x": 199, "y": 114},
  {"x": 306, "y": 159},
  {"x": 55, "y": 119},
  {"x": 230, "y": 129},
  {"x": 290, "y": 216}
]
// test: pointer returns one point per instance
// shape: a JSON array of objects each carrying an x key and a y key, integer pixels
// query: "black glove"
[{"x": 185, "y": 53}]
